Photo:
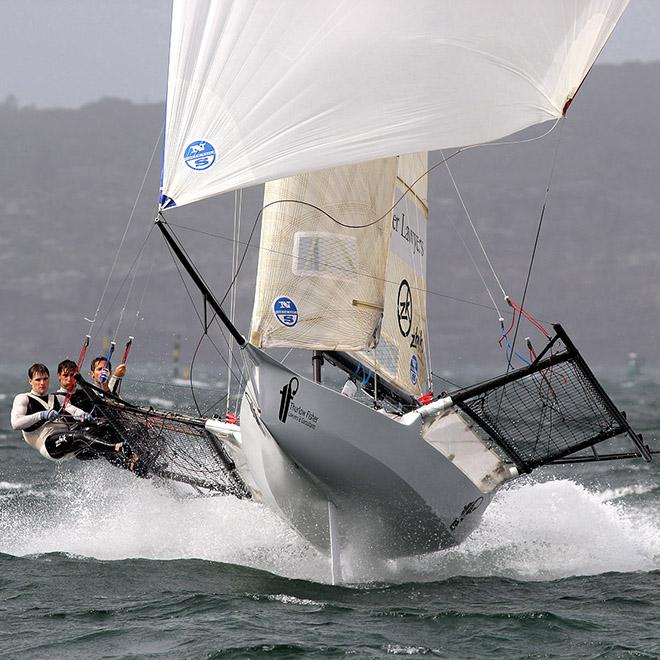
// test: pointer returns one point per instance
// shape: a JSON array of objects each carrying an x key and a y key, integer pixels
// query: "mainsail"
[
  {"x": 402, "y": 352},
  {"x": 323, "y": 256},
  {"x": 342, "y": 266},
  {"x": 258, "y": 91}
]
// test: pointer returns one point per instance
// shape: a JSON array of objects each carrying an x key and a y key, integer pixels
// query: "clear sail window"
[{"x": 325, "y": 254}]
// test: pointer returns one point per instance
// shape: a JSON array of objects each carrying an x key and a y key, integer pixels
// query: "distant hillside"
[{"x": 70, "y": 178}]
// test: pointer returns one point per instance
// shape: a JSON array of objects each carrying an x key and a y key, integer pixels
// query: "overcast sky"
[{"x": 68, "y": 52}]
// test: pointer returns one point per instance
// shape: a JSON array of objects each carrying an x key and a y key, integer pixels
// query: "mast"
[
  {"x": 317, "y": 363},
  {"x": 199, "y": 282}
]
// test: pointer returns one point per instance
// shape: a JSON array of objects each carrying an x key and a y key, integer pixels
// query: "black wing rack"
[
  {"x": 548, "y": 410},
  {"x": 168, "y": 444}
]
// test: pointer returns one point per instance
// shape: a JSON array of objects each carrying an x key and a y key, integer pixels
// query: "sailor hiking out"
[
  {"x": 103, "y": 379},
  {"x": 52, "y": 426}
]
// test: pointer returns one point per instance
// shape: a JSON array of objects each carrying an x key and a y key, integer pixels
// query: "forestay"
[
  {"x": 261, "y": 90},
  {"x": 322, "y": 258}
]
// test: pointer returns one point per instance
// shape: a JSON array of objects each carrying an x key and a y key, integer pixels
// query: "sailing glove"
[
  {"x": 84, "y": 418},
  {"x": 105, "y": 375},
  {"x": 49, "y": 415}
]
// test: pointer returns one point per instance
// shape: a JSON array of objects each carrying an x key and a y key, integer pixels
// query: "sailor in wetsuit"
[
  {"x": 99, "y": 371},
  {"x": 40, "y": 417}
]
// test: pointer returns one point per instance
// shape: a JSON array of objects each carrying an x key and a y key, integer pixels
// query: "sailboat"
[{"x": 336, "y": 108}]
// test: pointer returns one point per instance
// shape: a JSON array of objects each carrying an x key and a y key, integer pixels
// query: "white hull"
[{"x": 396, "y": 487}]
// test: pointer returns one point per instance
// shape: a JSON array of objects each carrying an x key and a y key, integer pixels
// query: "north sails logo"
[
  {"x": 199, "y": 155},
  {"x": 287, "y": 392}
]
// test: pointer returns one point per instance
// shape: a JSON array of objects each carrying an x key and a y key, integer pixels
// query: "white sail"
[
  {"x": 322, "y": 260},
  {"x": 401, "y": 355},
  {"x": 260, "y": 90}
]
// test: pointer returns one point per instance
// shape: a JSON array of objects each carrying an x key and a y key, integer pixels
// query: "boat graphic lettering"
[{"x": 287, "y": 392}]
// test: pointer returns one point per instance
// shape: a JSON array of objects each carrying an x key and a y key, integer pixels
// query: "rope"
[{"x": 433, "y": 167}]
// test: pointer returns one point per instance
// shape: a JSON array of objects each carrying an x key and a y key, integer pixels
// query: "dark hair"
[
  {"x": 96, "y": 360},
  {"x": 66, "y": 365},
  {"x": 38, "y": 368}
]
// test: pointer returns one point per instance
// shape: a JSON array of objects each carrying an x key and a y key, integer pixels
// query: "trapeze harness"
[{"x": 54, "y": 439}]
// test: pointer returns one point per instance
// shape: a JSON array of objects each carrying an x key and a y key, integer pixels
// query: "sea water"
[{"x": 97, "y": 563}]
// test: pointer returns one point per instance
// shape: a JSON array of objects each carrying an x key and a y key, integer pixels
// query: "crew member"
[
  {"x": 99, "y": 372},
  {"x": 66, "y": 375},
  {"x": 41, "y": 419}
]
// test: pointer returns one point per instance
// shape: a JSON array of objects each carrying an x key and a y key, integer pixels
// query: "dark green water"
[{"x": 96, "y": 564}]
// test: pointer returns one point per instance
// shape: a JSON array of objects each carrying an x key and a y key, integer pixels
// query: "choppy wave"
[{"x": 531, "y": 531}]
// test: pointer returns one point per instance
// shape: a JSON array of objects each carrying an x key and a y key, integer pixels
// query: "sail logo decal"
[
  {"x": 414, "y": 369},
  {"x": 199, "y": 155},
  {"x": 404, "y": 309},
  {"x": 285, "y": 311},
  {"x": 408, "y": 234},
  {"x": 287, "y": 392}
]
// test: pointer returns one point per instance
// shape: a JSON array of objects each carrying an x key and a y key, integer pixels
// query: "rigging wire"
[
  {"x": 467, "y": 249},
  {"x": 123, "y": 282},
  {"x": 144, "y": 290},
  {"x": 123, "y": 238},
  {"x": 248, "y": 243},
  {"x": 474, "y": 229},
  {"x": 347, "y": 270},
  {"x": 428, "y": 171},
  {"x": 536, "y": 243},
  {"x": 240, "y": 379},
  {"x": 192, "y": 386},
  {"x": 446, "y": 380},
  {"x": 205, "y": 326},
  {"x": 135, "y": 269}
]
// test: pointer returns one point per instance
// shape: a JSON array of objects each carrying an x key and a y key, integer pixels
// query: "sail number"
[
  {"x": 417, "y": 340},
  {"x": 404, "y": 308}
]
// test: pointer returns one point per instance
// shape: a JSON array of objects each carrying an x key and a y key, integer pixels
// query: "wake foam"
[
  {"x": 531, "y": 531},
  {"x": 101, "y": 512},
  {"x": 550, "y": 530}
]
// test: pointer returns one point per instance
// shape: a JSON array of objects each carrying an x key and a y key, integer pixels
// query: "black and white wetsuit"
[
  {"x": 81, "y": 399},
  {"x": 53, "y": 439}
]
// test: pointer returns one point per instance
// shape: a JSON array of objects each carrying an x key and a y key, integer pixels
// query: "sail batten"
[{"x": 260, "y": 90}]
